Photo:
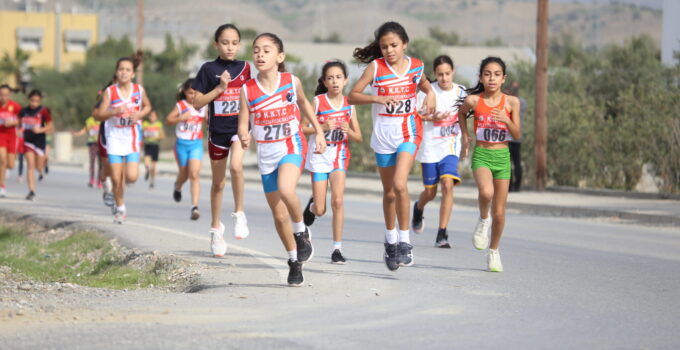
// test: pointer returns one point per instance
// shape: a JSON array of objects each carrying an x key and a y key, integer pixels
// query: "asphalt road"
[{"x": 568, "y": 283}]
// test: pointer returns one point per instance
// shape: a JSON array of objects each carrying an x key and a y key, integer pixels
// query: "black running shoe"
[
  {"x": 40, "y": 177},
  {"x": 30, "y": 196},
  {"x": 146, "y": 176},
  {"x": 308, "y": 216},
  {"x": 305, "y": 250},
  {"x": 337, "y": 258},
  {"x": 417, "y": 223},
  {"x": 47, "y": 169},
  {"x": 405, "y": 255},
  {"x": 390, "y": 256},
  {"x": 295, "y": 278},
  {"x": 195, "y": 214},
  {"x": 177, "y": 196},
  {"x": 442, "y": 239}
]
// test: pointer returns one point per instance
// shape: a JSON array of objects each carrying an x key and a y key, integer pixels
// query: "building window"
[
  {"x": 30, "y": 39},
  {"x": 76, "y": 40}
]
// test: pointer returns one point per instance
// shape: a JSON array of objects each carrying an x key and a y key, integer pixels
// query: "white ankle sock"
[
  {"x": 292, "y": 255},
  {"x": 337, "y": 245},
  {"x": 404, "y": 236},
  {"x": 298, "y": 227},
  {"x": 391, "y": 236}
]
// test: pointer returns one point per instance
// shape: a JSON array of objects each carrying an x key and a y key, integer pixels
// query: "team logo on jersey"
[
  {"x": 289, "y": 96},
  {"x": 481, "y": 118},
  {"x": 382, "y": 90},
  {"x": 243, "y": 78},
  {"x": 415, "y": 78}
]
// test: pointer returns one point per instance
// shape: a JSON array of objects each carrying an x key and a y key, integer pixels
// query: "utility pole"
[
  {"x": 541, "y": 126},
  {"x": 140, "y": 39}
]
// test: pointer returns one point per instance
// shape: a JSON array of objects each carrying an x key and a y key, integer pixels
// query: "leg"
[
  {"x": 131, "y": 171},
  {"x": 152, "y": 175},
  {"x": 337, "y": 179},
  {"x": 147, "y": 162},
  {"x": 182, "y": 176},
  {"x": 402, "y": 200},
  {"x": 3, "y": 165},
  {"x": 428, "y": 194},
  {"x": 389, "y": 198},
  {"x": 92, "y": 150},
  {"x": 236, "y": 172},
  {"x": 281, "y": 220},
  {"x": 21, "y": 164},
  {"x": 484, "y": 180},
  {"x": 289, "y": 174},
  {"x": 194, "y": 169},
  {"x": 117, "y": 169},
  {"x": 219, "y": 168},
  {"x": 11, "y": 158},
  {"x": 319, "y": 197},
  {"x": 446, "y": 203},
  {"x": 500, "y": 197},
  {"x": 30, "y": 169}
]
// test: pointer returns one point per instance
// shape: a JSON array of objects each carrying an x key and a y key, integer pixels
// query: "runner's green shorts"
[{"x": 496, "y": 160}]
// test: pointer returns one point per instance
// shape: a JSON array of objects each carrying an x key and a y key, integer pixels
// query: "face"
[
  {"x": 153, "y": 117},
  {"x": 190, "y": 94},
  {"x": 266, "y": 55},
  {"x": 334, "y": 80},
  {"x": 34, "y": 101},
  {"x": 392, "y": 47},
  {"x": 444, "y": 74},
  {"x": 228, "y": 44},
  {"x": 125, "y": 72},
  {"x": 492, "y": 77},
  {"x": 4, "y": 95}
]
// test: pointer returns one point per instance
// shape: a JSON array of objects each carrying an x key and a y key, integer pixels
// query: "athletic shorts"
[
  {"x": 188, "y": 149},
  {"x": 323, "y": 176},
  {"x": 36, "y": 145},
  {"x": 385, "y": 160},
  {"x": 128, "y": 158},
  {"x": 8, "y": 141},
  {"x": 270, "y": 182},
  {"x": 151, "y": 150},
  {"x": 218, "y": 144},
  {"x": 102, "y": 147},
  {"x": 496, "y": 160},
  {"x": 20, "y": 146},
  {"x": 445, "y": 168}
]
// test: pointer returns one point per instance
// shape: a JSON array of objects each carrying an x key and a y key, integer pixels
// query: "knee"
[
  {"x": 194, "y": 175},
  {"x": 281, "y": 217},
  {"x": 400, "y": 188},
  {"x": 485, "y": 194},
  {"x": 389, "y": 196},
  {"x": 286, "y": 193},
  {"x": 337, "y": 202},
  {"x": 235, "y": 169},
  {"x": 218, "y": 186},
  {"x": 498, "y": 214},
  {"x": 447, "y": 187},
  {"x": 430, "y": 193}
]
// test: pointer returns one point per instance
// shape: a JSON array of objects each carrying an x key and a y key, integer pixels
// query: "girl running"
[
  {"x": 9, "y": 111},
  {"x": 91, "y": 128},
  {"x": 337, "y": 120},
  {"x": 273, "y": 100},
  {"x": 153, "y": 134},
  {"x": 397, "y": 127},
  {"x": 36, "y": 122},
  {"x": 496, "y": 123},
  {"x": 123, "y": 106},
  {"x": 189, "y": 144},
  {"x": 218, "y": 85},
  {"x": 438, "y": 154}
]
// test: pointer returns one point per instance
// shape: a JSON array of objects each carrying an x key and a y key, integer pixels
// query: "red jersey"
[{"x": 9, "y": 112}]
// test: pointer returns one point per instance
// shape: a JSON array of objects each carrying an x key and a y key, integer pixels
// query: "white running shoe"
[
  {"x": 119, "y": 217},
  {"x": 493, "y": 259},
  {"x": 241, "y": 230},
  {"x": 217, "y": 243},
  {"x": 480, "y": 239},
  {"x": 3, "y": 192}
]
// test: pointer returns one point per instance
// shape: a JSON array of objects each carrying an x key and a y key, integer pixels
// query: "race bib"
[
  {"x": 30, "y": 123},
  {"x": 275, "y": 125},
  {"x": 489, "y": 130},
  {"x": 446, "y": 128},
  {"x": 94, "y": 131},
  {"x": 406, "y": 101},
  {"x": 151, "y": 134},
  {"x": 227, "y": 104}
]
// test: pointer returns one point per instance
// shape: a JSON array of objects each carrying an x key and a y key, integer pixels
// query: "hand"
[
  {"x": 429, "y": 105},
  {"x": 320, "y": 144},
  {"x": 135, "y": 116},
  {"x": 440, "y": 115},
  {"x": 465, "y": 144},
  {"x": 387, "y": 101},
  {"x": 325, "y": 126},
  {"x": 344, "y": 127},
  {"x": 225, "y": 78},
  {"x": 332, "y": 124},
  {"x": 120, "y": 110},
  {"x": 498, "y": 115},
  {"x": 185, "y": 116},
  {"x": 245, "y": 140}
]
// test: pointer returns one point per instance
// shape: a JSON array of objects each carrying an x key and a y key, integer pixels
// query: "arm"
[
  {"x": 146, "y": 109},
  {"x": 430, "y": 102},
  {"x": 307, "y": 129},
  {"x": 243, "y": 120},
  {"x": 162, "y": 134},
  {"x": 357, "y": 96},
  {"x": 468, "y": 104},
  {"x": 514, "y": 123},
  {"x": 306, "y": 109},
  {"x": 354, "y": 133},
  {"x": 103, "y": 112},
  {"x": 174, "y": 117},
  {"x": 80, "y": 132},
  {"x": 201, "y": 99}
]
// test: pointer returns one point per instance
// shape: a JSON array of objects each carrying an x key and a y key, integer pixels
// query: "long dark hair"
[
  {"x": 181, "y": 95},
  {"x": 372, "y": 51},
  {"x": 277, "y": 42},
  {"x": 224, "y": 27},
  {"x": 480, "y": 87},
  {"x": 321, "y": 87}
]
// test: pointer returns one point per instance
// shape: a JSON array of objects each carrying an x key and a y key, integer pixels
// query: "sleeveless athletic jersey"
[
  {"x": 276, "y": 122},
  {"x": 488, "y": 130},
  {"x": 223, "y": 111},
  {"x": 191, "y": 129},
  {"x": 8, "y": 112},
  {"x": 123, "y": 136},
  {"x": 151, "y": 132},
  {"x": 337, "y": 153},
  {"x": 442, "y": 138},
  {"x": 398, "y": 123},
  {"x": 34, "y": 118},
  {"x": 92, "y": 127}
]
